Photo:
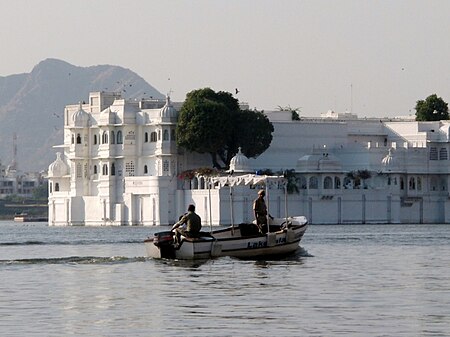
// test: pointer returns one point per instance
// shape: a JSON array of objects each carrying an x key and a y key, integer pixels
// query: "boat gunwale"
[{"x": 211, "y": 235}]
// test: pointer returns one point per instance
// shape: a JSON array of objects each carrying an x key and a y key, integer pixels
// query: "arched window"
[
  {"x": 302, "y": 183},
  {"x": 153, "y": 136},
  {"x": 146, "y": 137},
  {"x": 337, "y": 183},
  {"x": 73, "y": 139},
  {"x": 165, "y": 135},
  {"x": 113, "y": 169},
  {"x": 95, "y": 139},
  {"x": 194, "y": 183},
  {"x": 78, "y": 138},
  {"x": 95, "y": 169},
  {"x": 402, "y": 183},
  {"x": 347, "y": 182},
  {"x": 201, "y": 183},
  {"x": 173, "y": 136},
  {"x": 313, "y": 183},
  {"x": 113, "y": 138},
  {"x": 145, "y": 169},
  {"x": 105, "y": 170},
  {"x": 419, "y": 184},
  {"x": 56, "y": 187},
  {"x": 159, "y": 134},
  {"x": 119, "y": 137},
  {"x": 327, "y": 183},
  {"x": 50, "y": 187},
  {"x": 412, "y": 183},
  {"x": 433, "y": 184},
  {"x": 105, "y": 138}
]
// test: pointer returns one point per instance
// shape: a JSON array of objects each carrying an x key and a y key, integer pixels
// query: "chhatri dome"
[
  {"x": 168, "y": 110},
  {"x": 239, "y": 163},
  {"x": 80, "y": 118},
  {"x": 58, "y": 168}
]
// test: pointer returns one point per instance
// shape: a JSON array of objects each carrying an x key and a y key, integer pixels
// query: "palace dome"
[
  {"x": 80, "y": 118},
  {"x": 168, "y": 110},
  {"x": 239, "y": 163},
  {"x": 58, "y": 168}
]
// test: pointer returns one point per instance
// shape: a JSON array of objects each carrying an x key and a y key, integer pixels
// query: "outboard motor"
[
  {"x": 163, "y": 238},
  {"x": 164, "y": 241}
]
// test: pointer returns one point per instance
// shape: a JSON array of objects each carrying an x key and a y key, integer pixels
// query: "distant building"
[
  {"x": 120, "y": 165},
  {"x": 13, "y": 182},
  {"x": 338, "y": 115}
]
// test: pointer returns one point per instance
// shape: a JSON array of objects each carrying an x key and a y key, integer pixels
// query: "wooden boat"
[
  {"x": 243, "y": 241},
  {"x": 282, "y": 235}
]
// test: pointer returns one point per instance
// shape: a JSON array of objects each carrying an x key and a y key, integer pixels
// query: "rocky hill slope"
[{"x": 32, "y": 105}]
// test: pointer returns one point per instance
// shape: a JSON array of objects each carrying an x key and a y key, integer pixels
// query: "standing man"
[
  {"x": 189, "y": 225},
  {"x": 260, "y": 211}
]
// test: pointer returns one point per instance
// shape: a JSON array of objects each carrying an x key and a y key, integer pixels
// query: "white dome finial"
[
  {"x": 168, "y": 110},
  {"x": 80, "y": 117},
  {"x": 239, "y": 163},
  {"x": 58, "y": 168}
]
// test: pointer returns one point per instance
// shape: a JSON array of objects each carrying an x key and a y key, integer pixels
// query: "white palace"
[{"x": 120, "y": 165}]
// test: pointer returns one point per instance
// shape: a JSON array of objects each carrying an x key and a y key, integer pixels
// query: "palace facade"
[{"x": 120, "y": 165}]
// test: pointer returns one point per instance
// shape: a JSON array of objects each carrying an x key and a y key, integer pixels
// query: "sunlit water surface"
[{"x": 354, "y": 280}]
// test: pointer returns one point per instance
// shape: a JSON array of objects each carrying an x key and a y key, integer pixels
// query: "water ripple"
[
  {"x": 73, "y": 242},
  {"x": 74, "y": 260}
]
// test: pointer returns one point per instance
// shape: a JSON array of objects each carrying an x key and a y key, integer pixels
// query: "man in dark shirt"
[
  {"x": 189, "y": 225},
  {"x": 260, "y": 211}
]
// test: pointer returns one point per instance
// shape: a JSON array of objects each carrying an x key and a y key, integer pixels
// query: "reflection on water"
[{"x": 358, "y": 280}]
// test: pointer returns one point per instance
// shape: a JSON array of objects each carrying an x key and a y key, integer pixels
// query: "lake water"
[{"x": 353, "y": 280}]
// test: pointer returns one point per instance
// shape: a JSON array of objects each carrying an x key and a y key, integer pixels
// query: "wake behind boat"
[{"x": 281, "y": 236}]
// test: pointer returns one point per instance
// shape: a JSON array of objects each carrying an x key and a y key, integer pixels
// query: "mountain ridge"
[{"x": 32, "y": 105}]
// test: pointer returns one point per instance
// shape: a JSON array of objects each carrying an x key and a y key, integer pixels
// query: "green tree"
[
  {"x": 252, "y": 131},
  {"x": 364, "y": 175},
  {"x": 433, "y": 108},
  {"x": 41, "y": 192},
  {"x": 292, "y": 180},
  {"x": 212, "y": 122}
]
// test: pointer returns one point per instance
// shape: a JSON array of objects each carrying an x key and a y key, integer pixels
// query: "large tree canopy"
[
  {"x": 433, "y": 108},
  {"x": 212, "y": 122}
]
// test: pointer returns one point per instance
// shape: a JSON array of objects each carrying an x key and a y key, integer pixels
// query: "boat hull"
[
  {"x": 240, "y": 242},
  {"x": 28, "y": 218}
]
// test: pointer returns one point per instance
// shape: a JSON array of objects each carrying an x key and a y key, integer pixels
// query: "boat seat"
[{"x": 248, "y": 229}]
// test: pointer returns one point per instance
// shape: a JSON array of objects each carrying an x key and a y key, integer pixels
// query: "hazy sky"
[{"x": 374, "y": 57}]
